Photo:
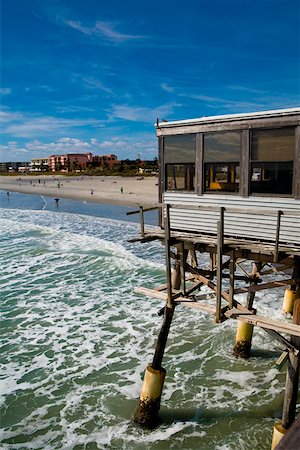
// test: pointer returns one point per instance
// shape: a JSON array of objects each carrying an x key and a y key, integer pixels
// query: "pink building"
[{"x": 69, "y": 161}]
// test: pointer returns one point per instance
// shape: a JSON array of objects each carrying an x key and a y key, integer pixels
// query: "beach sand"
[{"x": 131, "y": 191}]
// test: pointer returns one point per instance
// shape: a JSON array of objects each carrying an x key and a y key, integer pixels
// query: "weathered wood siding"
[{"x": 253, "y": 225}]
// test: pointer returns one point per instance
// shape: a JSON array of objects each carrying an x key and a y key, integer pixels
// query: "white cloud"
[
  {"x": 102, "y": 29},
  {"x": 108, "y": 31},
  {"x": 19, "y": 125},
  {"x": 142, "y": 114},
  {"x": 123, "y": 147},
  {"x": 5, "y": 91},
  {"x": 166, "y": 87},
  {"x": 94, "y": 83}
]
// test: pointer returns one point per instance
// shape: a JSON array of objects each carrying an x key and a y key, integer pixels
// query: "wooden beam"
[
  {"x": 264, "y": 322},
  {"x": 261, "y": 287},
  {"x": 168, "y": 258},
  {"x": 231, "y": 279},
  {"x": 276, "y": 251},
  {"x": 200, "y": 305},
  {"x": 220, "y": 244},
  {"x": 292, "y": 376}
]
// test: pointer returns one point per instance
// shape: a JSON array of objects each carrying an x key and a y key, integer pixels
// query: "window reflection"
[
  {"x": 272, "y": 155},
  {"x": 180, "y": 177},
  {"x": 222, "y": 161},
  {"x": 180, "y": 157}
]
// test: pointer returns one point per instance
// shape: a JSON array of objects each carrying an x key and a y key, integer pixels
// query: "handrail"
[
  {"x": 264, "y": 212},
  {"x": 141, "y": 211}
]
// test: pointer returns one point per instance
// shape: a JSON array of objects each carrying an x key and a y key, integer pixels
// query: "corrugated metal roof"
[{"x": 230, "y": 117}]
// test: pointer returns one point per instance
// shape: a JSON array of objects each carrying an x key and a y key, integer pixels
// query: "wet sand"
[{"x": 131, "y": 191}]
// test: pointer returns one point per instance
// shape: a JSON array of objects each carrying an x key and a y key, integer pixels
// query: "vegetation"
[{"x": 126, "y": 168}]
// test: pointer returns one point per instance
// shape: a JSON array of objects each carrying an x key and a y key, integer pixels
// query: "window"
[
  {"x": 179, "y": 158},
  {"x": 222, "y": 161},
  {"x": 272, "y": 156}
]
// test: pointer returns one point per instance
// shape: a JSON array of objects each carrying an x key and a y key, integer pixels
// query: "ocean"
[{"x": 76, "y": 339}]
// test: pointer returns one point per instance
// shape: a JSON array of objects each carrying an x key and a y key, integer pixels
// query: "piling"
[
  {"x": 290, "y": 293},
  {"x": 243, "y": 340},
  {"x": 146, "y": 413},
  {"x": 292, "y": 378},
  {"x": 288, "y": 301}
]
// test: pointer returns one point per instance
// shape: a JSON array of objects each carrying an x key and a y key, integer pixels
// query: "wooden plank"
[
  {"x": 261, "y": 287},
  {"x": 266, "y": 209},
  {"x": 231, "y": 278},
  {"x": 220, "y": 245},
  {"x": 168, "y": 258},
  {"x": 200, "y": 305},
  {"x": 279, "y": 214},
  {"x": 264, "y": 322}
]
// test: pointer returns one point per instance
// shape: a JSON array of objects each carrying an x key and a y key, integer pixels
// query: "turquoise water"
[{"x": 76, "y": 338}]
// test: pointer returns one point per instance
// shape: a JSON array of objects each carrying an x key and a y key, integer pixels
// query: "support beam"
[
  {"x": 168, "y": 257},
  {"x": 292, "y": 377},
  {"x": 220, "y": 244}
]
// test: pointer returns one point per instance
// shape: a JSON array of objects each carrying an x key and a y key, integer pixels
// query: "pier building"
[{"x": 229, "y": 187}]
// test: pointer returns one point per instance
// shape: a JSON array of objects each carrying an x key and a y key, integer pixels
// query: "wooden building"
[
  {"x": 245, "y": 161},
  {"x": 229, "y": 186}
]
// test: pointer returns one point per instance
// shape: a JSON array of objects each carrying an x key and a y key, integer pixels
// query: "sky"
[{"x": 94, "y": 75}]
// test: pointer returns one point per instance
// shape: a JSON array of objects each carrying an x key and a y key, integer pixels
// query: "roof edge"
[{"x": 229, "y": 117}]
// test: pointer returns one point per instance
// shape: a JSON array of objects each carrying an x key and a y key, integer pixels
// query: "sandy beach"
[{"x": 131, "y": 191}]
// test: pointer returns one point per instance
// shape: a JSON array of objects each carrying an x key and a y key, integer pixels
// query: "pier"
[{"x": 230, "y": 189}]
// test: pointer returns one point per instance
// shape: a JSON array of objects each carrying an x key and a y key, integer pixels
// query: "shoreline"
[{"x": 115, "y": 190}]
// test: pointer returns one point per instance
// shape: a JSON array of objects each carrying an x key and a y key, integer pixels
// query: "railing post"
[
  {"x": 142, "y": 221},
  {"x": 220, "y": 244},
  {"x": 168, "y": 257},
  {"x": 279, "y": 214},
  {"x": 231, "y": 278}
]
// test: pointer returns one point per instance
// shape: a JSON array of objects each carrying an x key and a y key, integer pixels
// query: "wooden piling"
[
  {"x": 292, "y": 374},
  {"x": 146, "y": 413},
  {"x": 242, "y": 347}
]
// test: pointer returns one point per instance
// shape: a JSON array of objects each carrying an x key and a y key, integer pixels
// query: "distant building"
[
  {"x": 14, "y": 166},
  {"x": 69, "y": 161},
  {"x": 39, "y": 165}
]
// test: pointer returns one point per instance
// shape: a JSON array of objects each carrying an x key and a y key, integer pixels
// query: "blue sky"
[{"x": 93, "y": 75}]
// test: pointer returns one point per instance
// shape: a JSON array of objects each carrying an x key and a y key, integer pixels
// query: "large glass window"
[
  {"x": 179, "y": 158},
  {"x": 272, "y": 156},
  {"x": 222, "y": 161}
]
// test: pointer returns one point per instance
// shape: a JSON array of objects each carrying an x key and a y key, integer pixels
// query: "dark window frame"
[
  {"x": 231, "y": 189},
  {"x": 245, "y": 162},
  {"x": 180, "y": 162},
  {"x": 266, "y": 165}
]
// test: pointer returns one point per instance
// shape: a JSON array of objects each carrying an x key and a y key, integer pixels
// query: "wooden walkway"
[{"x": 206, "y": 242}]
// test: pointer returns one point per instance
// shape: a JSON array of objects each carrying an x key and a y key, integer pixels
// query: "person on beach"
[
  {"x": 92, "y": 191},
  {"x": 121, "y": 189}
]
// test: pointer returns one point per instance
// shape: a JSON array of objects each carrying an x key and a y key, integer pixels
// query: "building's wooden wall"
[{"x": 260, "y": 223}]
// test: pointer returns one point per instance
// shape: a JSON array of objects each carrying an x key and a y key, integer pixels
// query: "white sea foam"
[{"x": 77, "y": 340}]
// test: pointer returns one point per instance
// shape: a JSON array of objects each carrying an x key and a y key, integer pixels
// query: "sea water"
[{"x": 76, "y": 339}]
